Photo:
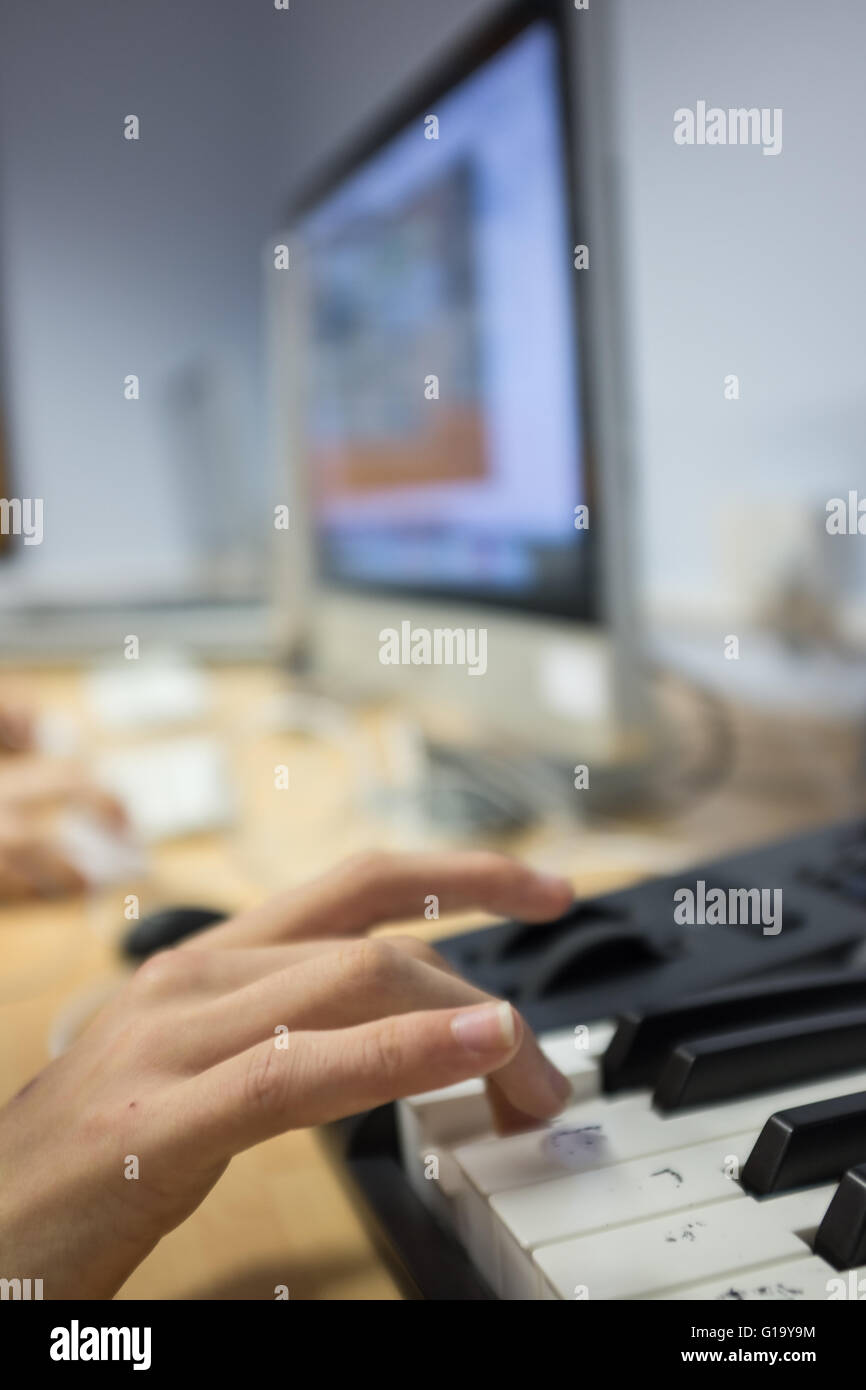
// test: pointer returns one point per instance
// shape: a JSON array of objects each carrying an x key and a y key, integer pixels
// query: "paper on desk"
[
  {"x": 178, "y": 786},
  {"x": 148, "y": 693},
  {"x": 102, "y": 855}
]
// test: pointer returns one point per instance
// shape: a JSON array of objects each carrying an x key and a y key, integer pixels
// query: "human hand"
[
  {"x": 17, "y": 727},
  {"x": 38, "y": 782},
  {"x": 212, "y": 1048},
  {"x": 33, "y": 860},
  {"x": 32, "y": 864}
]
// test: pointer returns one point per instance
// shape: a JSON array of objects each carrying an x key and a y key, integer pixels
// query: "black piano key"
[
  {"x": 725, "y": 1065},
  {"x": 807, "y": 1144},
  {"x": 643, "y": 1039},
  {"x": 841, "y": 1237}
]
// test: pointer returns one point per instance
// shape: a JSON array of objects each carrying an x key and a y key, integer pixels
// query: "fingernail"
[{"x": 485, "y": 1028}]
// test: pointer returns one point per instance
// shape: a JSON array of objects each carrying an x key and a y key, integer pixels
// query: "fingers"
[
  {"x": 387, "y": 888},
  {"x": 358, "y": 982},
  {"x": 103, "y": 804},
  {"x": 50, "y": 874},
  {"x": 289, "y": 971},
  {"x": 14, "y": 886},
  {"x": 320, "y": 1076},
  {"x": 40, "y": 781},
  {"x": 34, "y": 868},
  {"x": 34, "y": 780},
  {"x": 16, "y": 730},
  {"x": 221, "y": 972},
  {"x": 79, "y": 789}
]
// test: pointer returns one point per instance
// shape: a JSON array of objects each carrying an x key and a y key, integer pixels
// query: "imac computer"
[{"x": 451, "y": 406}]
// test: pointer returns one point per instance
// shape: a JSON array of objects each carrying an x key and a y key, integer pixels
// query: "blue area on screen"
[{"x": 444, "y": 424}]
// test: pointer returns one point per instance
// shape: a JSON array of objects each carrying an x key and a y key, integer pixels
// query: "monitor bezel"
[{"x": 586, "y": 604}]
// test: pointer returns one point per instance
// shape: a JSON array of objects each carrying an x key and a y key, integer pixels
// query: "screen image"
[{"x": 443, "y": 428}]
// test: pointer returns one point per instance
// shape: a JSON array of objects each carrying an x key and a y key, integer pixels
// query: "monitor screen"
[{"x": 444, "y": 427}]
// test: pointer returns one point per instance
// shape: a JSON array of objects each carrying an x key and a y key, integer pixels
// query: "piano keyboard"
[
  {"x": 715, "y": 1145},
  {"x": 618, "y": 1199}
]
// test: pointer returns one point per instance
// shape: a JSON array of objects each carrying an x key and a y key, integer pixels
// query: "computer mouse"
[{"x": 165, "y": 928}]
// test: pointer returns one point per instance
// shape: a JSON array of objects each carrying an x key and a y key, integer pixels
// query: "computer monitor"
[{"x": 450, "y": 390}]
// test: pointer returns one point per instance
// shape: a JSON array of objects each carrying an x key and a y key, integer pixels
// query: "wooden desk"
[{"x": 279, "y": 1216}]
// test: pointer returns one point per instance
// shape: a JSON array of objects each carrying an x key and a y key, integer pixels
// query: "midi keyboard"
[{"x": 715, "y": 1143}]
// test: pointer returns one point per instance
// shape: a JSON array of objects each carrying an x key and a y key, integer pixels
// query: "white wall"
[
  {"x": 119, "y": 257},
  {"x": 122, "y": 257},
  {"x": 748, "y": 264}
]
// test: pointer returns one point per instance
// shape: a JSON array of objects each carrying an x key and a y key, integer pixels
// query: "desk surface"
[{"x": 279, "y": 1215}]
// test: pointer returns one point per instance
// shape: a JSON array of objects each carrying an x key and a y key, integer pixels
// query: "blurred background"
[
  {"x": 145, "y": 257},
  {"x": 167, "y": 382},
  {"x": 300, "y": 357}
]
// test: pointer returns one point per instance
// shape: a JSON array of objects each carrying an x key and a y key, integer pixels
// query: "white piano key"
[
  {"x": 409, "y": 1141},
  {"x": 621, "y": 1193},
  {"x": 805, "y": 1278},
  {"x": 436, "y": 1166},
  {"x": 800, "y": 1211},
  {"x": 600, "y": 1132},
  {"x": 436, "y": 1179},
  {"x": 587, "y": 1040},
  {"x": 475, "y": 1231},
  {"x": 457, "y": 1113},
  {"x": 467, "y": 1208},
  {"x": 518, "y": 1278},
  {"x": 450, "y": 1115},
  {"x": 693, "y": 1246},
  {"x": 596, "y": 1135}
]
